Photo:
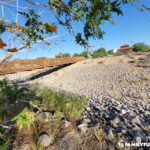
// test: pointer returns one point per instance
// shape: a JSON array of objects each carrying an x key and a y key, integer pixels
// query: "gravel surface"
[{"x": 119, "y": 97}]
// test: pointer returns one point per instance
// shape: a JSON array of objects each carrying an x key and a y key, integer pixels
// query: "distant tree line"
[{"x": 101, "y": 52}]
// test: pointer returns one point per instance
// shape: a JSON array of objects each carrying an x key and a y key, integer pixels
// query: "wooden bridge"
[{"x": 32, "y": 64}]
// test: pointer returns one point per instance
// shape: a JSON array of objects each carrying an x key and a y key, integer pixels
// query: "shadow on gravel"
[{"x": 44, "y": 73}]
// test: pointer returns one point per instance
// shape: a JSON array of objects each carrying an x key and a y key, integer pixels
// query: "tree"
[
  {"x": 140, "y": 47},
  {"x": 33, "y": 30}
]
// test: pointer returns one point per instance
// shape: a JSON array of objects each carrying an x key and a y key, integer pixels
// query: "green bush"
[
  {"x": 100, "y": 53},
  {"x": 12, "y": 98},
  {"x": 110, "y": 52},
  {"x": 76, "y": 55},
  {"x": 62, "y": 55},
  {"x": 41, "y": 58},
  {"x": 103, "y": 50},
  {"x": 10, "y": 95},
  {"x": 5, "y": 139},
  {"x": 85, "y": 54},
  {"x": 71, "y": 107},
  {"x": 140, "y": 47}
]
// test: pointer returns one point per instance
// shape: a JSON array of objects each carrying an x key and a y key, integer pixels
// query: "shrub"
[
  {"x": 99, "y": 53},
  {"x": 41, "y": 58},
  {"x": 76, "y": 55},
  {"x": 85, "y": 54},
  {"x": 60, "y": 105},
  {"x": 103, "y": 50},
  {"x": 74, "y": 108},
  {"x": 5, "y": 139},
  {"x": 110, "y": 52},
  {"x": 140, "y": 47},
  {"x": 62, "y": 55},
  {"x": 10, "y": 95}
]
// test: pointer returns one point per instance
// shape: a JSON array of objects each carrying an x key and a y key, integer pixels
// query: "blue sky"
[{"x": 132, "y": 26}]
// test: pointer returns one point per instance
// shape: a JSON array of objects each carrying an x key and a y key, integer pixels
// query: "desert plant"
[
  {"x": 140, "y": 47},
  {"x": 101, "y": 52},
  {"x": 148, "y": 78},
  {"x": 10, "y": 95},
  {"x": 74, "y": 108},
  {"x": 143, "y": 97},
  {"x": 110, "y": 52},
  {"x": 25, "y": 118},
  {"x": 136, "y": 81},
  {"x": 99, "y": 134},
  {"x": 115, "y": 94},
  {"x": 85, "y": 54},
  {"x": 76, "y": 55},
  {"x": 5, "y": 139},
  {"x": 41, "y": 57},
  {"x": 62, "y": 55}
]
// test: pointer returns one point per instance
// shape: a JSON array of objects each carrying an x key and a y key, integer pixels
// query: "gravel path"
[{"x": 119, "y": 97}]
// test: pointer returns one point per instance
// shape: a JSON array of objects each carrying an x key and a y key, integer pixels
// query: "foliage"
[
  {"x": 41, "y": 58},
  {"x": 5, "y": 140},
  {"x": 25, "y": 118},
  {"x": 101, "y": 52},
  {"x": 140, "y": 47},
  {"x": 76, "y": 55},
  {"x": 85, "y": 54},
  {"x": 99, "y": 134},
  {"x": 110, "y": 52},
  {"x": 74, "y": 108},
  {"x": 71, "y": 107},
  {"x": 10, "y": 95},
  {"x": 91, "y": 13},
  {"x": 62, "y": 55}
]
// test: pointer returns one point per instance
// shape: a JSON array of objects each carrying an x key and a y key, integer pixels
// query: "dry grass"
[
  {"x": 115, "y": 94},
  {"x": 136, "y": 81},
  {"x": 147, "y": 78},
  {"x": 143, "y": 97}
]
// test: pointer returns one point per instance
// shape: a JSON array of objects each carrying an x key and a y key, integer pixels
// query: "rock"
[
  {"x": 123, "y": 111},
  {"x": 83, "y": 128},
  {"x": 115, "y": 121},
  {"x": 138, "y": 139},
  {"x": 44, "y": 140},
  {"x": 44, "y": 116},
  {"x": 25, "y": 147},
  {"x": 136, "y": 120},
  {"x": 88, "y": 109},
  {"x": 67, "y": 123},
  {"x": 110, "y": 134},
  {"x": 87, "y": 120}
]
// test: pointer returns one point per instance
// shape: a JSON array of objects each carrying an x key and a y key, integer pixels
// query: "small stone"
[
  {"x": 138, "y": 139},
  {"x": 67, "y": 123},
  {"x": 25, "y": 147},
  {"x": 87, "y": 120},
  {"x": 88, "y": 109},
  {"x": 110, "y": 134},
  {"x": 136, "y": 120},
  {"x": 123, "y": 111},
  {"x": 44, "y": 140},
  {"x": 83, "y": 128},
  {"x": 116, "y": 120}
]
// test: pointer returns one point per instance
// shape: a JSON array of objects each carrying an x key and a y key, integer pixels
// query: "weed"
[
  {"x": 74, "y": 108},
  {"x": 143, "y": 97},
  {"x": 135, "y": 81},
  {"x": 5, "y": 141},
  {"x": 99, "y": 134},
  {"x": 24, "y": 118},
  {"x": 148, "y": 78},
  {"x": 135, "y": 60},
  {"x": 115, "y": 94}
]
